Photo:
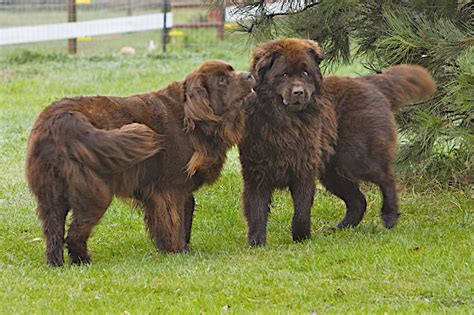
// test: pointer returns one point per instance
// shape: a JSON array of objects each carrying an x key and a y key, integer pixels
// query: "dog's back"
[
  {"x": 65, "y": 145},
  {"x": 367, "y": 138}
]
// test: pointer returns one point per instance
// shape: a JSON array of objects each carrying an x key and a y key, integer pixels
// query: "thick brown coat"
[
  {"x": 289, "y": 136},
  {"x": 156, "y": 148},
  {"x": 346, "y": 133},
  {"x": 367, "y": 137}
]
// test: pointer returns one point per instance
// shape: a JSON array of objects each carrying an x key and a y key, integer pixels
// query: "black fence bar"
[{"x": 164, "y": 34}]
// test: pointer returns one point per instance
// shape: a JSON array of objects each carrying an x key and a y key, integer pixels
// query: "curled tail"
[
  {"x": 404, "y": 84},
  {"x": 105, "y": 151}
]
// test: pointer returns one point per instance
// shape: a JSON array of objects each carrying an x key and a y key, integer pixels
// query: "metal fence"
[{"x": 113, "y": 25}]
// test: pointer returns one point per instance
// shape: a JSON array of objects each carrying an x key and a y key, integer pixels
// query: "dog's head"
[
  {"x": 288, "y": 69},
  {"x": 214, "y": 89}
]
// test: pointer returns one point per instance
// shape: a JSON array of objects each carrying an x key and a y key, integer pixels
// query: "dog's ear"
[
  {"x": 262, "y": 61},
  {"x": 315, "y": 50},
  {"x": 197, "y": 105}
]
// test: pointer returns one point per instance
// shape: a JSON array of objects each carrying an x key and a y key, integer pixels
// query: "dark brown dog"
[
  {"x": 280, "y": 134},
  {"x": 156, "y": 148},
  {"x": 289, "y": 136},
  {"x": 367, "y": 138}
]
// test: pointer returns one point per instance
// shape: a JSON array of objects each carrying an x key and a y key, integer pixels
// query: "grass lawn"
[{"x": 424, "y": 265}]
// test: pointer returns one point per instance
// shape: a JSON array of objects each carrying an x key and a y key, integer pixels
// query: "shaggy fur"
[
  {"x": 289, "y": 136},
  {"x": 156, "y": 148},
  {"x": 339, "y": 129},
  {"x": 367, "y": 137}
]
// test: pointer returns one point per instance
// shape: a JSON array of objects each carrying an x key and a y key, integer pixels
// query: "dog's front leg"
[
  {"x": 302, "y": 192},
  {"x": 256, "y": 209},
  {"x": 164, "y": 215}
]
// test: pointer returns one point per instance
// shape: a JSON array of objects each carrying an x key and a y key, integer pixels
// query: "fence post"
[
  {"x": 71, "y": 17},
  {"x": 164, "y": 34},
  {"x": 129, "y": 8},
  {"x": 221, "y": 21}
]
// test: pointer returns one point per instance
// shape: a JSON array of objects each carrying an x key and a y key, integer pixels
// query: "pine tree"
[{"x": 437, "y": 137}]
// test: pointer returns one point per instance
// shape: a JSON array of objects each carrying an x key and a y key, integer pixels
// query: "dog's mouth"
[
  {"x": 290, "y": 103},
  {"x": 294, "y": 105},
  {"x": 250, "y": 96},
  {"x": 249, "y": 83}
]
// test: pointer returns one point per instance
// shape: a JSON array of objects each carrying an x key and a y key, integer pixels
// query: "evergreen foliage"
[{"x": 437, "y": 135}]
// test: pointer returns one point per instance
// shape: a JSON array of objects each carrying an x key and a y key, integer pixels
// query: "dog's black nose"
[
  {"x": 247, "y": 76},
  {"x": 297, "y": 91}
]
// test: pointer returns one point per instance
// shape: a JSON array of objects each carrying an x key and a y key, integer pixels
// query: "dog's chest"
[{"x": 287, "y": 146}]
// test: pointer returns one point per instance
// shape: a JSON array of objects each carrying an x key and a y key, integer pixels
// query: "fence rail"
[
  {"x": 99, "y": 21},
  {"x": 46, "y": 32}
]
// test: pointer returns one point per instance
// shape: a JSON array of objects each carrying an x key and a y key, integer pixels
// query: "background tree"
[{"x": 437, "y": 137}]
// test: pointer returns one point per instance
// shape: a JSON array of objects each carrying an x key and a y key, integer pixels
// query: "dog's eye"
[
  {"x": 222, "y": 80},
  {"x": 284, "y": 75},
  {"x": 305, "y": 74}
]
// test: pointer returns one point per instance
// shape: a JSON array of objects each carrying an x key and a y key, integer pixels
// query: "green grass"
[{"x": 421, "y": 266}]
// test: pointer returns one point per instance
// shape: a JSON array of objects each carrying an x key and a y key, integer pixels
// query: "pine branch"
[
  {"x": 436, "y": 34},
  {"x": 309, "y": 6}
]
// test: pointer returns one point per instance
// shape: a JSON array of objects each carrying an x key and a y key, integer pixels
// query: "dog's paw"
[
  {"x": 78, "y": 260},
  {"x": 390, "y": 219},
  {"x": 300, "y": 237},
  {"x": 55, "y": 261},
  {"x": 257, "y": 240},
  {"x": 187, "y": 249}
]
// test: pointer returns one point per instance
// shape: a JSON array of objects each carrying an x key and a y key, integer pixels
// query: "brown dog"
[
  {"x": 289, "y": 136},
  {"x": 367, "y": 137},
  {"x": 291, "y": 131},
  {"x": 156, "y": 148}
]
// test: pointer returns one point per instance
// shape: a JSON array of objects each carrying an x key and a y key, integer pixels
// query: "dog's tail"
[
  {"x": 102, "y": 150},
  {"x": 404, "y": 84}
]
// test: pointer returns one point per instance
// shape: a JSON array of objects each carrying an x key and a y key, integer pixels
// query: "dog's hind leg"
[
  {"x": 164, "y": 215},
  {"x": 52, "y": 211},
  {"x": 89, "y": 205},
  {"x": 302, "y": 192},
  {"x": 350, "y": 193},
  {"x": 256, "y": 209},
  {"x": 390, "y": 213},
  {"x": 84, "y": 219}
]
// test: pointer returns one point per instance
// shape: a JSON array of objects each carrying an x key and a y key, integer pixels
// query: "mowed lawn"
[{"x": 423, "y": 265}]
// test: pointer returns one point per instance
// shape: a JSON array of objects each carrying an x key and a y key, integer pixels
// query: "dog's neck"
[
  {"x": 211, "y": 141},
  {"x": 174, "y": 91}
]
